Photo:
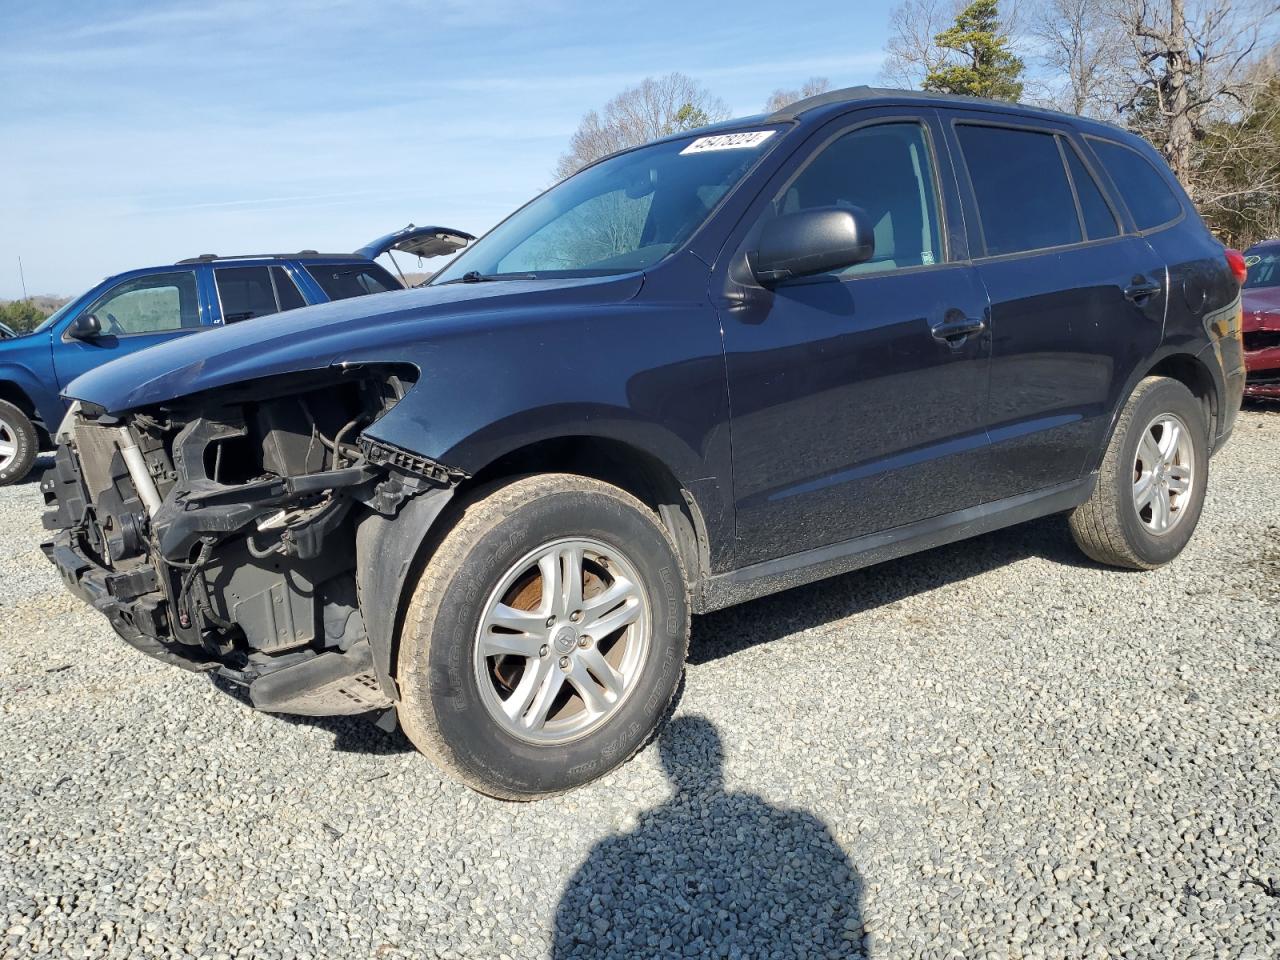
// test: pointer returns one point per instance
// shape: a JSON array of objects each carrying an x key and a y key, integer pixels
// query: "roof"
[
  {"x": 299, "y": 255},
  {"x": 849, "y": 95}
]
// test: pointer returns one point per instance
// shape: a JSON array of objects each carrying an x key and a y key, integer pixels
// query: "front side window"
[
  {"x": 623, "y": 214},
  {"x": 342, "y": 281},
  {"x": 1145, "y": 192},
  {"x": 1264, "y": 268},
  {"x": 886, "y": 171},
  {"x": 1019, "y": 180},
  {"x": 155, "y": 304}
]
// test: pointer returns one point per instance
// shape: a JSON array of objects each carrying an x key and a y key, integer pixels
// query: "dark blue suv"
[
  {"x": 138, "y": 309},
  {"x": 707, "y": 368}
]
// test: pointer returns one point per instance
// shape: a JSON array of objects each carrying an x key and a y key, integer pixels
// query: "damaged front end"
[{"x": 245, "y": 531}]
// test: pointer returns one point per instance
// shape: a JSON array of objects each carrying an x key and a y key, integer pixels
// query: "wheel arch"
[
  {"x": 391, "y": 553},
  {"x": 1187, "y": 369},
  {"x": 12, "y": 392},
  {"x": 1191, "y": 372}
]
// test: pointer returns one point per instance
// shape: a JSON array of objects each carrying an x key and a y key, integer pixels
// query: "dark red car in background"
[{"x": 1261, "y": 301}]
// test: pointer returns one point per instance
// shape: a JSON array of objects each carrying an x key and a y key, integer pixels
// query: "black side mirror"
[
  {"x": 811, "y": 241},
  {"x": 85, "y": 327}
]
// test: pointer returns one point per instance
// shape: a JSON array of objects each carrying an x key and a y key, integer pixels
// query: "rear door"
[
  {"x": 1077, "y": 298},
  {"x": 135, "y": 313},
  {"x": 852, "y": 410}
]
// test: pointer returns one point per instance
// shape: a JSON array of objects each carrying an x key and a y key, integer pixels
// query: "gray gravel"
[{"x": 992, "y": 750}]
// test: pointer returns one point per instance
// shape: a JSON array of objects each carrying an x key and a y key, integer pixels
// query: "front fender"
[{"x": 41, "y": 393}]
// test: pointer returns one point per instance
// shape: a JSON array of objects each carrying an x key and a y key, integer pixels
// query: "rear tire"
[
  {"x": 556, "y": 707},
  {"x": 19, "y": 444},
  {"x": 1152, "y": 481}
]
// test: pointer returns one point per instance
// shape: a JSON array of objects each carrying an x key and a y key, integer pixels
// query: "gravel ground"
[{"x": 994, "y": 749}]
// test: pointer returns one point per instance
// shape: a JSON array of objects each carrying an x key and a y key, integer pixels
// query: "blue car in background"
[{"x": 137, "y": 309}]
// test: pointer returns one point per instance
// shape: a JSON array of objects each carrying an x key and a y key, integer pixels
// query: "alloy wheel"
[
  {"x": 563, "y": 640},
  {"x": 1163, "y": 474}
]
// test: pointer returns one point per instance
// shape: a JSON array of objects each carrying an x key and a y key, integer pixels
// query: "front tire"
[
  {"x": 19, "y": 444},
  {"x": 1152, "y": 481},
  {"x": 545, "y": 638}
]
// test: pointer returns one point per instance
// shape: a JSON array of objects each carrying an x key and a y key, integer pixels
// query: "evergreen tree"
[{"x": 984, "y": 65}]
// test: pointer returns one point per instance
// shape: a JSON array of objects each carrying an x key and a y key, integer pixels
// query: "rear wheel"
[
  {"x": 1152, "y": 481},
  {"x": 19, "y": 444},
  {"x": 545, "y": 638}
]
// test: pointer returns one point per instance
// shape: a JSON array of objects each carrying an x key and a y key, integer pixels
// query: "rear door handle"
[
  {"x": 955, "y": 331},
  {"x": 1140, "y": 289}
]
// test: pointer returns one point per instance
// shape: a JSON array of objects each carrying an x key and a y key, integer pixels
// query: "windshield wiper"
[{"x": 475, "y": 276}]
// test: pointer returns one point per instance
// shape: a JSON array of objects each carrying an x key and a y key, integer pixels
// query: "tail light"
[{"x": 1235, "y": 260}]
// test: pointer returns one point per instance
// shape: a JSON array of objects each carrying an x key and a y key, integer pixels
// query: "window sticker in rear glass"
[{"x": 729, "y": 141}]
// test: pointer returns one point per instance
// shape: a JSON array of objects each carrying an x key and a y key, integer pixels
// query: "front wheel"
[
  {"x": 545, "y": 638},
  {"x": 1152, "y": 481},
  {"x": 19, "y": 444}
]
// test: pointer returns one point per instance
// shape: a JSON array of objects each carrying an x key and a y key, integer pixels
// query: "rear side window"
[
  {"x": 248, "y": 292},
  {"x": 1024, "y": 199},
  {"x": 1099, "y": 221},
  {"x": 245, "y": 292},
  {"x": 1146, "y": 193},
  {"x": 341, "y": 281}
]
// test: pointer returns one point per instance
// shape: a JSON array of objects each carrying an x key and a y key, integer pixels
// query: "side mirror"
[
  {"x": 85, "y": 327},
  {"x": 811, "y": 241}
]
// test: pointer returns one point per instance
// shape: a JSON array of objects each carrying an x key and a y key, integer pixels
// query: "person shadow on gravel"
[{"x": 712, "y": 873}]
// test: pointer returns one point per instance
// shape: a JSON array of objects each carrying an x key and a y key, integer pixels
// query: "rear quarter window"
[{"x": 1150, "y": 199}]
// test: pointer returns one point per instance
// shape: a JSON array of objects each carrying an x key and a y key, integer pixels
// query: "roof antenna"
[{"x": 23, "y": 278}]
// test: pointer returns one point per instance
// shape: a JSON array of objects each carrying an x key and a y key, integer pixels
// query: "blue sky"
[{"x": 137, "y": 133}]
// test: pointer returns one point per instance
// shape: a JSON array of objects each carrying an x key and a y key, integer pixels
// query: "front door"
[
  {"x": 856, "y": 398},
  {"x": 134, "y": 314}
]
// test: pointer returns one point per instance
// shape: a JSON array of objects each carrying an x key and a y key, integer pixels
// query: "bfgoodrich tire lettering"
[
  {"x": 443, "y": 709},
  {"x": 1109, "y": 527},
  {"x": 19, "y": 444}
]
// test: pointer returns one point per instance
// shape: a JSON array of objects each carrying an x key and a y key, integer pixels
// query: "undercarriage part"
[{"x": 326, "y": 685}]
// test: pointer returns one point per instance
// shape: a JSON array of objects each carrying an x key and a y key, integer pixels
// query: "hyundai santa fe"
[{"x": 714, "y": 366}]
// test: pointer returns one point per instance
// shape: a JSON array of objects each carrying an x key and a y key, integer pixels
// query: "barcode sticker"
[{"x": 729, "y": 141}]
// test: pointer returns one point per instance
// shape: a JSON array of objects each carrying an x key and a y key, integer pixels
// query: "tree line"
[{"x": 1200, "y": 79}]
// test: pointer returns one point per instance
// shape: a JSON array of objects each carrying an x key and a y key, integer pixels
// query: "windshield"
[
  {"x": 1264, "y": 268},
  {"x": 622, "y": 214}
]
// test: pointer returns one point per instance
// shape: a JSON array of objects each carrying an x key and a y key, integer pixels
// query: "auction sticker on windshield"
[{"x": 729, "y": 141}]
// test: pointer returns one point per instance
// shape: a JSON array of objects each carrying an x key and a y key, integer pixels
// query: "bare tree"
[
  {"x": 1189, "y": 64},
  {"x": 784, "y": 98},
  {"x": 1081, "y": 49},
  {"x": 912, "y": 51},
  {"x": 656, "y": 107}
]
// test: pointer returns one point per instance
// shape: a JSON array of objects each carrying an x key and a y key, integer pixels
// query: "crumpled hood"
[
  {"x": 1261, "y": 307},
  {"x": 360, "y": 329}
]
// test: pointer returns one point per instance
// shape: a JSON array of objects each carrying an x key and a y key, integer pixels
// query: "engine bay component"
[{"x": 220, "y": 532}]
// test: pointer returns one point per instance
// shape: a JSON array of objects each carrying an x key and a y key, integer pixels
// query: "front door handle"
[
  {"x": 956, "y": 331},
  {"x": 1140, "y": 288}
]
